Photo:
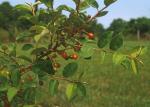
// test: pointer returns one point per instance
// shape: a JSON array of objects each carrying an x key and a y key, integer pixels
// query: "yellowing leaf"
[
  {"x": 11, "y": 93},
  {"x": 118, "y": 58},
  {"x": 70, "y": 91},
  {"x": 134, "y": 66},
  {"x": 42, "y": 34},
  {"x": 137, "y": 51}
]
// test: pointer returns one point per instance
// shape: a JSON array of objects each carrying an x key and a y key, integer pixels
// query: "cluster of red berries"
[
  {"x": 63, "y": 54},
  {"x": 77, "y": 47},
  {"x": 66, "y": 56}
]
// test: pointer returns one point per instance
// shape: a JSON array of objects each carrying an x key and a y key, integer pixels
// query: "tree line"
[{"x": 12, "y": 19}]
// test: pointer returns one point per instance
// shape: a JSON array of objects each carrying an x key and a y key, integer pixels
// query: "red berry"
[
  {"x": 91, "y": 36},
  {"x": 64, "y": 55},
  {"x": 30, "y": 78},
  {"x": 74, "y": 56}
]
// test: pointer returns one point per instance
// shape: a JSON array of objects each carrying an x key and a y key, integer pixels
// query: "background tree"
[
  {"x": 118, "y": 26},
  {"x": 6, "y": 15},
  {"x": 11, "y": 21},
  {"x": 139, "y": 26}
]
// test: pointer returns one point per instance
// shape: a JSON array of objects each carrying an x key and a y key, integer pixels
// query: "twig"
[
  {"x": 45, "y": 54},
  {"x": 97, "y": 14},
  {"x": 5, "y": 100},
  {"x": 78, "y": 6}
]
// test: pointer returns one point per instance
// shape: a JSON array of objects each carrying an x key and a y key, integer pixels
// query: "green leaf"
[
  {"x": 25, "y": 17},
  {"x": 93, "y": 3},
  {"x": 15, "y": 77},
  {"x": 25, "y": 58},
  {"x": 144, "y": 50},
  {"x": 138, "y": 50},
  {"x": 44, "y": 66},
  {"x": 109, "y": 2},
  {"x": 81, "y": 75},
  {"x": 75, "y": 1},
  {"x": 27, "y": 47},
  {"x": 38, "y": 51},
  {"x": 53, "y": 87},
  {"x": 12, "y": 49},
  {"x": 87, "y": 51},
  {"x": 103, "y": 13},
  {"x": 64, "y": 7},
  {"x": 38, "y": 95},
  {"x": 37, "y": 28},
  {"x": 24, "y": 7},
  {"x": 29, "y": 95},
  {"x": 11, "y": 93},
  {"x": 118, "y": 58},
  {"x": 83, "y": 5},
  {"x": 4, "y": 47},
  {"x": 104, "y": 39},
  {"x": 42, "y": 34},
  {"x": 81, "y": 88},
  {"x": 116, "y": 42},
  {"x": 126, "y": 64},
  {"x": 48, "y": 3},
  {"x": 134, "y": 66},
  {"x": 1, "y": 104},
  {"x": 22, "y": 36},
  {"x": 102, "y": 54},
  {"x": 71, "y": 90},
  {"x": 3, "y": 83},
  {"x": 70, "y": 69}
]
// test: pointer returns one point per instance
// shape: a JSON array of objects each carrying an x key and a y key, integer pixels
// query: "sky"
[{"x": 125, "y": 9}]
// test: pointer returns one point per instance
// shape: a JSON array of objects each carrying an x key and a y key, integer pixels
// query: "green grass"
[
  {"x": 108, "y": 85},
  {"x": 111, "y": 86}
]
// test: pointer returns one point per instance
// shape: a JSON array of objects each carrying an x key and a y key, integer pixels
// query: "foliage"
[
  {"x": 141, "y": 24},
  {"x": 55, "y": 35},
  {"x": 15, "y": 21},
  {"x": 118, "y": 26},
  {"x": 131, "y": 27}
]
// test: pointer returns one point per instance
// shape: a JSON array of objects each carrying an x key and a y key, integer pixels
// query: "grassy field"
[{"x": 109, "y": 85}]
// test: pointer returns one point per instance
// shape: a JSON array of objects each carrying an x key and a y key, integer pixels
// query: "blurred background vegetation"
[{"x": 11, "y": 24}]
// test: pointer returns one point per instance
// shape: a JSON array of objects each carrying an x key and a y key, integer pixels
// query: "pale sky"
[{"x": 125, "y": 9}]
